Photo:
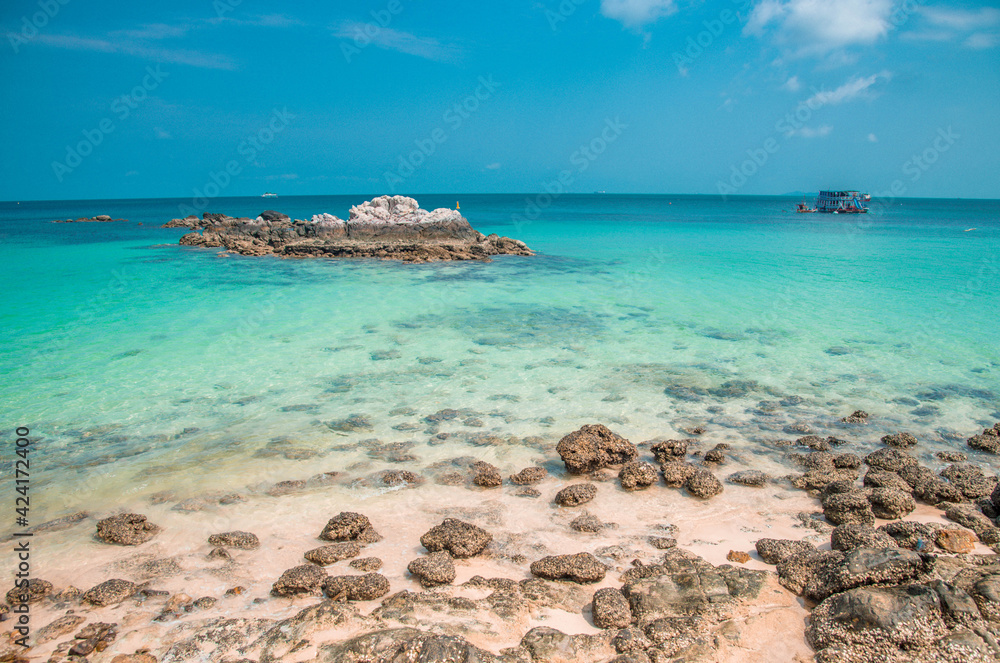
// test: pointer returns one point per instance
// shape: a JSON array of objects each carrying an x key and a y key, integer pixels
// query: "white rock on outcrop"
[{"x": 326, "y": 219}]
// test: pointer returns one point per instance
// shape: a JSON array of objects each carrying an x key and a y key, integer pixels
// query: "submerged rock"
[
  {"x": 988, "y": 440},
  {"x": 303, "y": 579},
  {"x": 127, "y": 529},
  {"x": 486, "y": 475},
  {"x": 754, "y": 478},
  {"x": 405, "y": 644},
  {"x": 593, "y": 447},
  {"x": 669, "y": 450},
  {"x": 333, "y": 553},
  {"x": 242, "y": 540},
  {"x": 703, "y": 484},
  {"x": 899, "y": 440},
  {"x": 636, "y": 475},
  {"x": 35, "y": 590},
  {"x": 529, "y": 476},
  {"x": 110, "y": 592}
]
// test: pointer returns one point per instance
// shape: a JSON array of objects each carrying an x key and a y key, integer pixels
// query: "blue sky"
[{"x": 125, "y": 99}]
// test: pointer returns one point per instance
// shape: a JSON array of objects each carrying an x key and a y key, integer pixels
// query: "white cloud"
[
  {"x": 809, "y": 132},
  {"x": 872, "y": 138},
  {"x": 981, "y": 40},
  {"x": 852, "y": 89},
  {"x": 162, "y": 134},
  {"x": 401, "y": 42},
  {"x": 961, "y": 19},
  {"x": 164, "y": 55},
  {"x": 816, "y": 27},
  {"x": 493, "y": 166},
  {"x": 637, "y": 13},
  {"x": 792, "y": 84}
]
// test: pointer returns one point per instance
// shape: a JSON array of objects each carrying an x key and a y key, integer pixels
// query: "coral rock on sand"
[
  {"x": 594, "y": 447},
  {"x": 242, "y": 540},
  {"x": 304, "y": 579},
  {"x": 356, "y": 588},
  {"x": 891, "y": 504},
  {"x": 636, "y": 475},
  {"x": 459, "y": 538},
  {"x": 849, "y": 536},
  {"x": 754, "y": 478},
  {"x": 335, "y": 552},
  {"x": 349, "y": 526},
  {"x": 127, "y": 529},
  {"x": 110, "y": 592},
  {"x": 676, "y": 474},
  {"x": 610, "y": 609},
  {"x": 703, "y": 484},
  {"x": 669, "y": 450},
  {"x": 581, "y": 568},
  {"x": 486, "y": 475},
  {"x": 899, "y": 440},
  {"x": 435, "y": 569},
  {"x": 988, "y": 440},
  {"x": 577, "y": 494},
  {"x": 773, "y": 551},
  {"x": 366, "y": 564},
  {"x": 35, "y": 591},
  {"x": 852, "y": 507}
]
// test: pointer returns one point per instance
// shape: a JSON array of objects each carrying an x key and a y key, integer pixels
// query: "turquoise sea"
[{"x": 142, "y": 366}]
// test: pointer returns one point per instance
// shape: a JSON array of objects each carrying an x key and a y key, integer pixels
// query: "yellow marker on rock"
[{"x": 457, "y": 206}]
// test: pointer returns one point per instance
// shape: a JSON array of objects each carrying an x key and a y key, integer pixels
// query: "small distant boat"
[
  {"x": 269, "y": 195},
  {"x": 803, "y": 208},
  {"x": 842, "y": 202}
]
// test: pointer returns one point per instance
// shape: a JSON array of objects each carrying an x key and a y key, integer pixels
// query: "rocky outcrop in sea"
[{"x": 388, "y": 227}]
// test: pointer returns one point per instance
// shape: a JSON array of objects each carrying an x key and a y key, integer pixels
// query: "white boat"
[{"x": 269, "y": 195}]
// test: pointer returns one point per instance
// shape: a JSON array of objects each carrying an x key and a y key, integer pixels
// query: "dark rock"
[
  {"x": 405, "y": 644},
  {"x": 110, "y": 592},
  {"x": 843, "y": 508},
  {"x": 676, "y": 474},
  {"x": 349, "y": 526},
  {"x": 890, "y": 459},
  {"x": 876, "y": 478},
  {"x": 127, "y": 529},
  {"x": 636, "y": 475},
  {"x": 577, "y": 494},
  {"x": 952, "y": 456},
  {"x": 610, "y": 609},
  {"x": 631, "y": 639},
  {"x": 929, "y": 487},
  {"x": 970, "y": 480},
  {"x": 669, "y": 450},
  {"x": 814, "y": 442},
  {"x": 891, "y": 504},
  {"x": 797, "y": 570},
  {"x": 220, "y": 553},
  {"x": 863, "y": 566},
  {"x": 911, "y": 534},
  {"x": 857, "y": 624},
  {"x": 815, "y": 480},
  {"x": 333, "y": 553},
  {"x": 662, "y": 542},
  {"x": 988, "y": 441},
  {"x": 529, "y": 476},
  {"x": 458, "y": 538},
  {"x": 593, "y": 447},
  {"x": 435, "y": 569},
  {"x": 304, "y": 579},
  {"x": 549, "y": 645},
  {"x": 242, "y": 540},
  {"x": 703, "y": 484},
  {"x": 716, "y": 455},
  {"x": 773, "y": 551},
  {"x": 754, "y": 478},
  {"x": 486, "y": 475},
  {"x": 847, "y": 461},
  {"x": 288, "y": 487},
  {"x": 356, "y": 588},
  {"x": 581, "y": 568},
  {"x": 858, "y": 535},
  {"x": 899, "y": 440}
]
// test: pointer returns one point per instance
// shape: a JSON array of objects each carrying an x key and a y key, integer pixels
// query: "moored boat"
[{"x": 842, "y": 202}]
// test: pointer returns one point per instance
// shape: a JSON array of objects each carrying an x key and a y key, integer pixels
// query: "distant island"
[{"x": 387, "y": 227}]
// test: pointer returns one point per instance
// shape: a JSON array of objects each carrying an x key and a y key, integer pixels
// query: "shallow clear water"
[{"x": 143, "y": 365}]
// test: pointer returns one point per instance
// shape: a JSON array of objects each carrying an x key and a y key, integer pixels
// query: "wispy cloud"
[
  {"x": 792, "y": 84},
  {"x": 809, "y": 132},
  {"x": 872, "y": 138},
  {"x": 852, "y": 89},
  {"x": 817, "y": 27},
  {"x": 637, "y": 13},
  {"x": 399, "y": 41},
  {"x": 981, "y": 40},
  {"x": 162, "y": 134},
  {"x": 493, "y": 166},
  {"x": 158, "y": 54},
  {"x": 961, "y": 19}
]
